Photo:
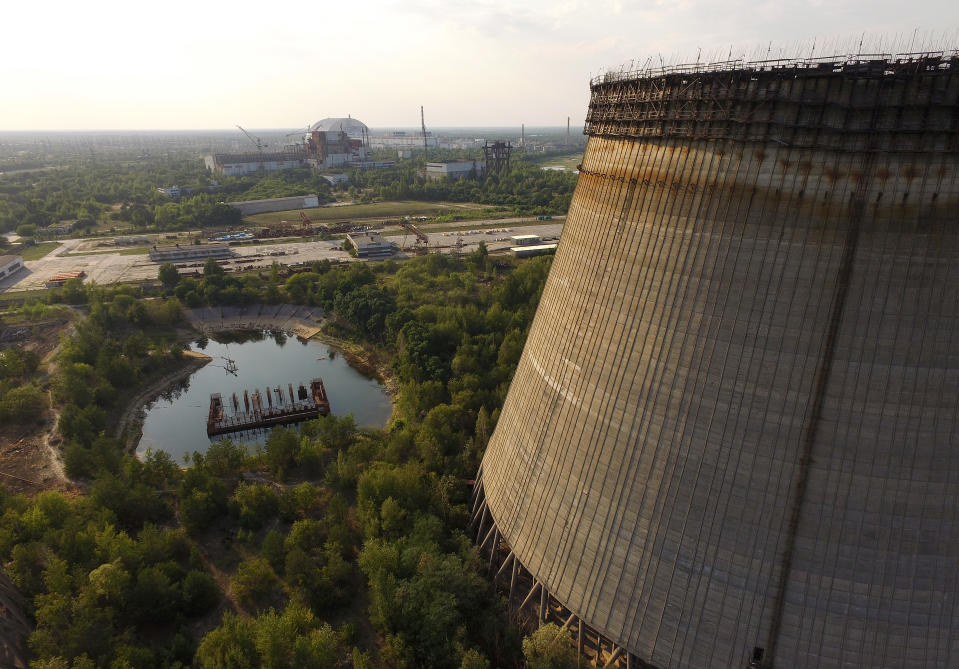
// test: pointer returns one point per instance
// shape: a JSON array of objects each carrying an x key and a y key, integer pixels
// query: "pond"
[{"x": 176, "y": 421}]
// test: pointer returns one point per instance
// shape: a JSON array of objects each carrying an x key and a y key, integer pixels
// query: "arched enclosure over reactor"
[{"x": 733, "y": 436}]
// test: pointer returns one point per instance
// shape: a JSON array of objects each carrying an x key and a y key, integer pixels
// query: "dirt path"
[
  {"x": 51, "y": 437},
  {"x": 51, "y": 442}
]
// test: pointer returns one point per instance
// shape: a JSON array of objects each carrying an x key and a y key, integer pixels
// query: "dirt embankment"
[
  {"x": 29, "y": 463},
  {"x": 306, "y": 322},
  {"x": 366, "y": 360},
  {"x": 29, "y": 457}
]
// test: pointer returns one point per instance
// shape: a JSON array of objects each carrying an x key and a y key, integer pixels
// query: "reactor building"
[
  {"x": 733, "y": 436},
  {"x": 327, "y": 144}
]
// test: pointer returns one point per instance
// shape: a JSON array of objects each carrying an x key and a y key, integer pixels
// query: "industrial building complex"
[
  {"x": 370, "y": 245},
  {"x": 327, "y": 144},
  {"x": 10, "y": 265},
  {"x": 734, "y": 442},
  {"x": 187, "y": 253},
  {"x": 454, "y": 170}
]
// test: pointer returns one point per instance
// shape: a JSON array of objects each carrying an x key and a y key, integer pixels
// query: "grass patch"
[
  {"x": 512, "y": 225},
  {"x": 569, "y": 161},
  {"x": 140, "y": 251},
  {"x": 12, "y": 295},
  {"x": 353, "y": 212},
  {"x": 283, "y": 240},
  {"x": 34, "y": 252}
]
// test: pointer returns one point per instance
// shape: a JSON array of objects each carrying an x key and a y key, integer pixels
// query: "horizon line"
[{"x": 275, "y": 128}]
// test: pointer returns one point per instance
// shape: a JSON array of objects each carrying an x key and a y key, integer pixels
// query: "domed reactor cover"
[{"x": 733, "y": 436}]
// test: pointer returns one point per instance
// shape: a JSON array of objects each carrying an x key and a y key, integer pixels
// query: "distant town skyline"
[{"x": 118, "y": 65}]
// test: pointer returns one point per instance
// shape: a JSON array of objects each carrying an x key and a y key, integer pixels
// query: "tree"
[
  {"x": 199, "y": 593},
  {"x": 254, "y": 504},
  {"x": 477, "y": 259},
  {"x": 299, "y": 285},
  {"x": 336, "y": 432},
  {"x": 230, "y": 645},
  {"x": 23, "y": 404},
  {"x": 294, "y": 638},
  {"x": 73, "y": 291},
  {"x": 16, "y": 362},
  {"x": 550, "y": 647},
  {"x": 281, "y": 448},
  {"x": 255, "y": 585},
  {"x": 212, "y": 268},
  {"x": 169, "y": 276},
  {"x": 473, "y": 659}
]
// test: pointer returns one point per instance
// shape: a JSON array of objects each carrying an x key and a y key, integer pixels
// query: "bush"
[
  {"x": 255, "y": 585},
  {"x": 254, "y": 504},
  {"x": 23, "y": 404},
  {"x": 282, "y": 447},
  {"x": 550, "y": 647},
  {"x": 199, "y": 593}
]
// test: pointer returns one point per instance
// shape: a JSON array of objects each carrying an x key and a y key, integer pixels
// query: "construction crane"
[
  {"x": 256, "y": 140},
  {"x": 421, "y": 237},
  {"x": 308, "y": 222},
  {"x": 423, "y": 122},
  {"x": 295, "y": 133}
]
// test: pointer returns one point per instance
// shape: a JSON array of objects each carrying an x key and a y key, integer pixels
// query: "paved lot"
[{"x": 108, "y": 267}]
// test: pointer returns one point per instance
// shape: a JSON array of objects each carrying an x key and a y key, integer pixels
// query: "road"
[{"x": 106, "y": 267}]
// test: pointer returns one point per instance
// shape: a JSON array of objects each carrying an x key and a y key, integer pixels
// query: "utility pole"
[
  {"x": 567, "y": 132},
  {"x": 423, "y": 122}
]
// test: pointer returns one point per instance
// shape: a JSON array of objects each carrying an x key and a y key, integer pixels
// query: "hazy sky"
[{"x": 206, "y": 64}]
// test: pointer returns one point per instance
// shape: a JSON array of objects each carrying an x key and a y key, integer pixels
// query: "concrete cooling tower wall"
[{"x": 733, "y": 436}]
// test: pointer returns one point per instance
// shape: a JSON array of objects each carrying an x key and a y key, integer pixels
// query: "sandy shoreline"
[
  {"x": 360, "y": 360},
  {"x": 129, "y": 428}
]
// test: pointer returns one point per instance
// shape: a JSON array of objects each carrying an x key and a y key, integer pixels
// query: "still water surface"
[{"x": 176, "y": 421}]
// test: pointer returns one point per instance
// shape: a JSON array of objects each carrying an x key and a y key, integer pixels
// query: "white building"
[
  {"x": 336, "y": 179},
  {"x": 370, "y": 245},
  {"x": 241, "y": 164},
  {"x": 455, "y": 169},
  {"x": 10, "y": 265},
  {"x": 370, "y": 164},
  {"x": 401, "y": 139},
  {"x": 525, "y": 240},
  {"x": 533, "y": 250},
  {"x": 182, "y": 253},
  {"x": 250, "y": 207}
]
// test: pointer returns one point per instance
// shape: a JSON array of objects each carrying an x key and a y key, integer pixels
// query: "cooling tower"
[{"x": 733, "y": 436}]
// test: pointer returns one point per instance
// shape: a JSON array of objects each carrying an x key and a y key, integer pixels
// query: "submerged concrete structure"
[{"x": 735, "y": 441}]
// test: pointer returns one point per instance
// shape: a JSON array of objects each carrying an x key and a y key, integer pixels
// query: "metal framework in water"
[{"x": 260, "y": 411}]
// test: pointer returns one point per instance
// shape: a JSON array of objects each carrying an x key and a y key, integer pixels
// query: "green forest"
[
  {"x": 331, "y": 546},
  {"x": 124, "y": 193}
]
